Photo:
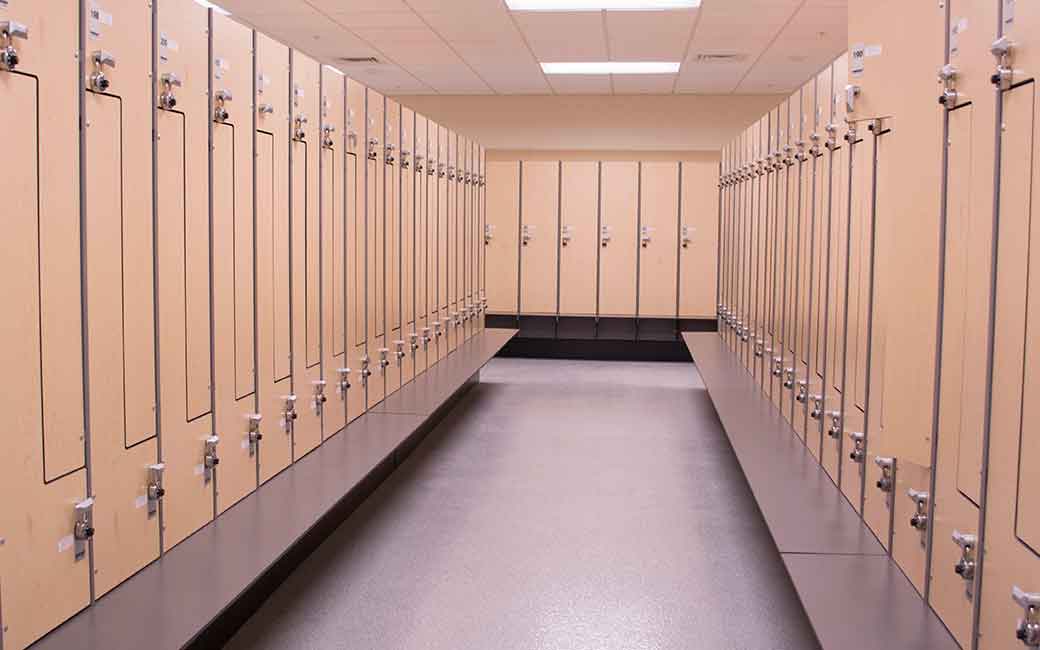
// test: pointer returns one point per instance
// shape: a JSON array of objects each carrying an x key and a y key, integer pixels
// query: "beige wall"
[{"x": 595, "y": 122}]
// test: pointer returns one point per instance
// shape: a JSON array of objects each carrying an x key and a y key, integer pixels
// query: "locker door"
[
  {"x": 120, "y": 303},
  {"x": 539, "y": 215},
  {"x": 805, "y": 256},
  {"x": 618, "y": 237},
  {"x": 792, "y": 236},
  {"x": 501, "y": 237},
  {"x": 473, "y": 255},
  {"x": 1012, "y": 538},
  {"x": 308, "y": 382},
  {"x": 392, "y": 192},
  {"x": 375, "y": 248},
  {"x": 481, "y": 243},
  {"x": 579, "y": 248},
  {"x": 434, "y": 274},
  {"x": 780, "y": 245},
  {"x": 233, "y": 310},
  {"x": 658, "y": 240},
  {"x": 273, "y": 293},
  {"x": 43, "y": 459},
  {"x": 354, "y": 183},
  {"x": 443, "y": 220},
  {"x": 467, "y": 266},
  {"x": 421, "y": 259},
  {"x": 409, "y": 334},
  {"x": 455, "y": 204},
  {"x": 747, "y": 207},
  {"x": 764, "y": 343},
  {"x": 334, "y": 251},
  {"x": 182, "y": 219}
]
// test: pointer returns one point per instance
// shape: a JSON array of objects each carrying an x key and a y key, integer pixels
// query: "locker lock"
[
  {"x": 948, "y": 77},
  {"x": 437, "y": 328},
  {"x": 399, "y": 351},
  {"x": 686, "y": 237},
  {"x": 525, "y": 234},
  {"x": 604, "y": 236},
  {"x": 802, "y": 396},
  {"x": 373, "y": 148},
  {"x": 851, "y": 93},
  {"x": 888, "y": 469},
  {"x": 745, "y": 334},
  {"x": 265, "y": 109},
  {"x": 419, "y": 167},
  {"x": 156, "y": 491},
  {"x": 343, "y": 385},
  {"x": 566, "y": 235},
  {"x": 817, "y": 406},
  {"x": 425, "y": 337},
  {"x": 326, "y": 135},
  {"x": 10, "y": 30},
  {"x": 451, "y": 173},
  {"x": 167, "y": 98},
  {"x": 254, "y": 435},
  {"x": 919, "y": 521},
  {"x": 778, "y": 366},
  {"x": 859, "y": 446},
  {"x": 319, "y": 396},
  {"x": 965, "y": 566},
  {"x": 455, "y": 321},
  {"x": 210, "y": 459},
  {"x": 299, "y": 132},
  {"x": 850, "y": 134},
  {"x": 832, "y": 136},
  {"x": 404, "y": 158},
  {"x": 644, "y": 236},
  {"x": 289, "y": 414},
  {"x": 1028, "y": 630},
  {"x": 388, "y": 157},
  {"x": 383, "y": 360},
  {"x": 1001, "y": 51},
  {"x": 440, "y": 170},
  {"x": 814, "y": 150},
  {"x": 220, "y": 111},
  {"x": 834, "y": 431},
  {"x": 431, "y": 167},
  {"x": 83, "y": 527},
  {"x": 99, "y": 81},
  {"x": 489, "y": 233},
  {"x": 413, "y": 342},
  {"x": 759, "y": 347},
  {"x": 365, "y": 371}
]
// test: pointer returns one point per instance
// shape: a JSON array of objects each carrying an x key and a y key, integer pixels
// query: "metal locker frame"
[
  {"x": 355, "y": 165},
  {"x": 373, "y": 367}
]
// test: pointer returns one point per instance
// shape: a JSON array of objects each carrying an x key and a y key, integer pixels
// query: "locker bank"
[{"x": 519, "y": 324}]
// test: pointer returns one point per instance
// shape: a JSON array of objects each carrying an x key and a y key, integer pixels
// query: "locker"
[
  {"x": 422, "y": 253},
  {"x": 780, "y": 248},
  {"x": 42, "y": 347},
  {"x": 305, "y": 229},
  {"x": 579, "y": 249},
  {"x": 481, "y": 242},
  {"x": 730, "y": 230},
  {"x": 539, "y": 216},
  {"x": 354, "y": 168},
  {"x": 236, "y": 417},
  {"x": 334, "y": 251},
  {"x": 751, "y": 332},
  {"x": 474, "y": 241},
  {"x": 436, "y": 173},
  {"x": 805, "y": 256},
  {"x": 501, "y": 236},
  {"x": 393, "y": 220},
  {"x": 182, "y": 220},
  {"x": 1010, "y": 573},
  {"x": 471, "y": 214},
  {"x": 698, "y": 230},
  {"x": 462, "y": 259},
  {"x": 764, "y": 346},
  {"x": 409, "y": 334},
  {"x": 747, "y": 208},
  {"x": 442, "y": 326},
  {"x": 451, "y": 272},
  {"x": 791, "y": 260},
  {"x": 376, "y": 360},
  {"x": 273, "y": 250},
  {"x": 618, "y": 238},
  {"x": 658, "y": 240},
  {"x": 119, "y": 284}
]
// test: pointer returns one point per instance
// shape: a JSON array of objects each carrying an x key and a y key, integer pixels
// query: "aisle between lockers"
[{"x": 562, "y": 504}]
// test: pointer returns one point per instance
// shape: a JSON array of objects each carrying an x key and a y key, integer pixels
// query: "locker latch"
[
  {"x": 83, "y": 527},
  {"x": 451, "y": 173},
  {"x": 373, "y": 148},
  {"x": 832, "y": 136},
  {"x": 489, "y": 233},
  {"x": 1028, "y": 630},
  {"x": 802, "y": 396},
  {"x": 167, "y": 98},
  {"x": 948, "y": 78},
  {"x": 814, "y": 150},
  {"x": 254, "y": 435},
  {"x": 265, "y": 109},
  {"x": 425, "y": 337},
  {"x": 343, "y": 385},
  {"x": 687, "y": 237},
  {"x": 440, "y": 170},
  {"x": 437, "y": 328},
  {"x": 1001, "y": 51},
  {"x": 289, "y": 414},
  {"x": 388, "y": 156},
  {"x": 383, "y": 360},
  {"x": 365, "y": 371},
  {"x": 778, "y": 366},
  {"x": 318, "y": 403},
  {"x": 965, "y": 566},
  {"x": 604, "y": 236},
  {"x": 759, "y": 347},
  {"x": 404, "y": 158},
  {"x": 788, "y": 378},
  {"x": 455, "y": 322},
  {"x": 155, "y": 490},
  {"x": 834, "y": 431},
  {"x": 413, "y": 342},
  {"x": 851, "y": 93},
  {"x": 565, "y": 235},
  {"x": 299, "y": 132},
  {"x": 888, "y": 470},
  {"x": 99, "y": 81},
  {"x": 327, "y": 140},
  {"x": 398, "y": 351},
  {"x": 745, "y": 334},
  {"x": 850, "y": 133},
  {"x": 799, "y": 155},
  {"x": 220, "y": 111},
  {"x": 919, "y": 520},
  {"x": 525, "y": 234},
  {"x": 817, "y": 406},
  {"x": 10, "y": 30},
  {"x": 210, "y": 459},
  {"x": 859, "y": 446},
  {"x": 419, "y": 167},
  {"x": 644, "y": 236}
]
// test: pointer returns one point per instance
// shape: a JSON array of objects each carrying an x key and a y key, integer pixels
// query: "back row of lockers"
[
  {"x": 190, "y": 313},
  {"x": 876, "y": 281},
  {"x": 603, "y": 239}
]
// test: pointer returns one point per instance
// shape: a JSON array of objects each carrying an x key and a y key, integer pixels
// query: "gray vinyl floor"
[{"x": 562, "y": 505}]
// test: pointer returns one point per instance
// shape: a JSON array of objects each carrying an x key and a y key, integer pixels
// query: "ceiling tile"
[
  {"x": 638, "y": 84},
  {"x": 649, "y": 35},
  {"x": 580, "y": 84}
]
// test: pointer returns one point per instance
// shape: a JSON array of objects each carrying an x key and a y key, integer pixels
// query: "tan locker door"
[
  {"x": 791, "y": 261},
  {"x": 408, "y": 330},
  {"x": 120, "y": 302},
  {"x": 421, "y": 260},
  {"x": 473, "y": 252},
  {"x": 233, "y": 249},
  {"x": 453, "y": 232},
  {"x": 618, "y": 238},
  {"x": 501, "y": 236},
  {"x": 658, "y": 240},
  {"x": 274, "y": 380},
  {"x": 820, "y": 259},
  {"x": 443, "y": 220},
  {"x": 357, "y": 401},
  {"x": 334, "y": 250},
  {"x": 579, "y": 246},
  {"x": 375, "y": 248},
  {"x": 42, "y": 346},
  {"x": 481, "y": 244},
  {"x": 434, "y": 169},
  {"x": 468, "y": 239},
  {"x": 392, "y": 193},
  {"x": 182, "y": 200},
  {"x": 1012, "y": 534},
  {"x": 763, "y": 344},
  {"x": 308, "y": 385},
  {"x": 539, "y": 215},
  {"x": 805, "y": 254},
  {"x": 781, "y": 206}
]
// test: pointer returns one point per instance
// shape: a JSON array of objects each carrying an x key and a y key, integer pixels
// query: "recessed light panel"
[
  {"x": 601, "y": 5},
  {"x": 612, "y": 67}
]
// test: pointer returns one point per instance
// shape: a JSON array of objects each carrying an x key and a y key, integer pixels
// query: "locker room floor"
[{"x": 561, "y": 504}]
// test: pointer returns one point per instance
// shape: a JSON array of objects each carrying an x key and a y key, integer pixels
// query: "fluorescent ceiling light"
[
  {"x": 601, "y": 5},
  {"x": 612, "y": 67},
  {"x": 209, "y": 5}
]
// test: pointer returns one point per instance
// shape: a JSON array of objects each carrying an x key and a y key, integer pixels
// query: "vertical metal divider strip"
[
  {"x": 559, "y": 236},
  {"x": 598, "y": 237},
  {"x": 212, "y": 301},
  {"x": 160, "y": 515},
  {"x": 364, "y": 232},
  {"x": 639, "y": 234},
  {"x": 256, "y": 274},
  {"x": 321, "y": 246},
  {"x": 347, "y": 258},
  {"x": 872, "y": 284},
  {"x": 678, "y": 246},
  {"x": 519, "y": 239},
  {"x": 718, "y": 257}
]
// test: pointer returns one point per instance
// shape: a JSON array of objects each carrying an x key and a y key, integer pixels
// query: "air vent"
[
  {"x": 359, "y": 59},
  {"x": 719, "y": 57}
]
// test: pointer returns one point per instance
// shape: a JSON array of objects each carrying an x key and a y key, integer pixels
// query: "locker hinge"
[
  {"x": 156, "y": 491},
  {"x": 1028, "y": 630}
]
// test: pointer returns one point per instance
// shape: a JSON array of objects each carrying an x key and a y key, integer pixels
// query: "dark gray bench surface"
[
  {"x": 855, "y": 596},
  {"x": 172, "y": 599}
]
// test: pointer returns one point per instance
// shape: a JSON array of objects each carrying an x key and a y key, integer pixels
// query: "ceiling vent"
[
  {"x": 719, "y": 57},
  {"x": 359, "y": 59}
]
